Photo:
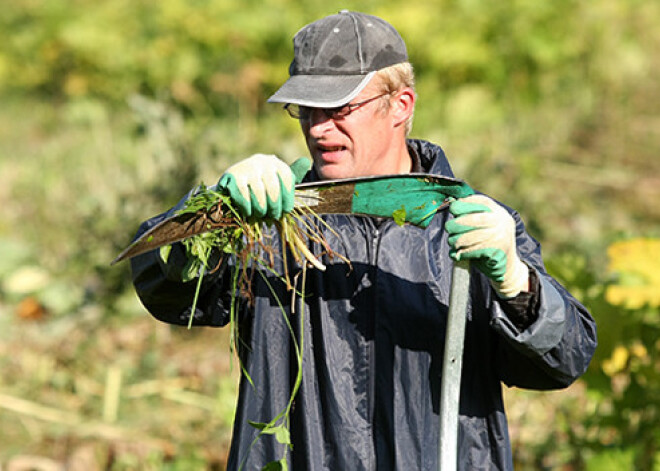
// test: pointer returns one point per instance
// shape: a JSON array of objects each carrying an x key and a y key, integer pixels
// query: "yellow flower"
[
  {"x": 639, "y": 350},
  {"x": 637, "y": 264},
  {"x": 617, "y": 362}
]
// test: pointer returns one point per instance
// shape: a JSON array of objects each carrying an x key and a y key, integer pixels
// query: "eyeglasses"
[{"x": 304, "y": 112}]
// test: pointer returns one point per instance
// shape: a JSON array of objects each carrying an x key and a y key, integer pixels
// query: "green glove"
[
  {"x": 263, "y": 185},
  {"x": 485, "y": 233}
]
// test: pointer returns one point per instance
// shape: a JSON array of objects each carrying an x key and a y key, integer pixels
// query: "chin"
[{"x": 333, "y": 172}]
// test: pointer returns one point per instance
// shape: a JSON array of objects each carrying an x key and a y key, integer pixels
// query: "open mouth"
[{"x": 331, "y": 148}]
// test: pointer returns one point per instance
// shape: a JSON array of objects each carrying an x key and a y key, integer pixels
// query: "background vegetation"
[{"x": 112, "y": 109}]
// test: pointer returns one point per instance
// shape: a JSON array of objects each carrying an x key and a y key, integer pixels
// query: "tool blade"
[{"x": 371, "y": 196}]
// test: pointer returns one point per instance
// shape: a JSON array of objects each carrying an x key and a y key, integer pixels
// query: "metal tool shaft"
[{"x": 451, "y": 368}]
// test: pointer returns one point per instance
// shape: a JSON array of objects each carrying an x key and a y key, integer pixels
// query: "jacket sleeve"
[
  {"x": 160, "y": 289},
  {"x": 557, "y": 347}
]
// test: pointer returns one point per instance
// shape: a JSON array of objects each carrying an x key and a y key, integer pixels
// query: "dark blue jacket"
[{"x": 373, "y": 346}]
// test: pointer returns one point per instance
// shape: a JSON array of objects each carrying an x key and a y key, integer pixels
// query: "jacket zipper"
[{"x": 371, "y": 327}]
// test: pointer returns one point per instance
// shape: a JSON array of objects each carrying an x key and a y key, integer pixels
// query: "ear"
[{"x": 403, "y": 105}]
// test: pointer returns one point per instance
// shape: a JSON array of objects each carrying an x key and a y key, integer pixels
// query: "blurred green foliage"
[
  {"x": 562, "y": 92},
  {"x": 620, "y": 413},
  {"x": 111, "y": 110}
]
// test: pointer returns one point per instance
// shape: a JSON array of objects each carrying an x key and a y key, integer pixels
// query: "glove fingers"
[
  {"x": 475, "y": 237},
  {"x": 487, "y": 260},
  {"x": 471, "y": 244},
  {"x": 288, "y": 198},
  {"x": 471, "y": 222},
  {"x": 300, "y": 168},
  {"x": 277, "y": 182},
  {"x": 478, "y": 220},
  {"x": 239, "y": 192},
  {"x": 286, "y": 184},
  {"x": 261, "y": 185},
  {"x": 471, "y": 204},
  {"x": 470, "y": 215},
  {"x": 454, "y": 226},
  {"x": 258, "y": 198},
  {"x": 272, "y": 186}
]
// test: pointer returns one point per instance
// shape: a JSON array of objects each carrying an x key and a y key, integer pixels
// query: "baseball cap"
[{"x": 336, "y": 56}]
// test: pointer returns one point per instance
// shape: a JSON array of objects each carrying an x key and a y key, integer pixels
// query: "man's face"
[{"x": 358, "y": 144}]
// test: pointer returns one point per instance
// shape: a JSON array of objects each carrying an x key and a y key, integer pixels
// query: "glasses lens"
[
  {"x": 338, "y": 112},
  {"x": 293, "y": 110},
  {"x": 304, "y": 112},
  {"x": 298, "y": 111}
]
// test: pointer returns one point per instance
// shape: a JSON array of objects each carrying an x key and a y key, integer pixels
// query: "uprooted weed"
[{"x": 232, "y": 235}]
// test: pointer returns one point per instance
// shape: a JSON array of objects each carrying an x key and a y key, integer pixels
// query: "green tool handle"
[
  {"x": 451, "y": 368},
  {"x": 416, "y": 200}
]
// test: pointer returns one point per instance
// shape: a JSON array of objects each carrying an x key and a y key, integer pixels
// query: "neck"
[{"x": 402, "y": 161}]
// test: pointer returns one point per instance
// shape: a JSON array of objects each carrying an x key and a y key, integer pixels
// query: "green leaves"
[
  {"x": 280, "y": 432},
  {"x": 282, "y": 435},
  {"x": 280, "y": 465},
  {"x": 399, "y": 216},
  {"x": 199, "y": 248}
]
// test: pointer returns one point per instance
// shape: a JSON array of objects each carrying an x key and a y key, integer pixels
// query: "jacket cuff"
[
  {"x": 522, "y": 309},
  {"x": 546, "y": 329}
]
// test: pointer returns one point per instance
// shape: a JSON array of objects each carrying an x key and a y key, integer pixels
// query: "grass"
[
  {"x": 89, "y": 369},
  {"x": 136, "y": 388}
]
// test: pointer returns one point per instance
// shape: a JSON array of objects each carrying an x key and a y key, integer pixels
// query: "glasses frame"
[{"x": 303, "y": 113}]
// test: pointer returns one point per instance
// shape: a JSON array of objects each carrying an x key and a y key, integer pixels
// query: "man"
[{"x": 374, "y": 331}]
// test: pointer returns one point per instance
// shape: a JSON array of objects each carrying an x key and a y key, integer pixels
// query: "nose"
[{"x": 318, "y": 121}]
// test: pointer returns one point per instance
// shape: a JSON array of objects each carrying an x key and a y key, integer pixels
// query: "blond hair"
[{"x": 393, "y": 79}]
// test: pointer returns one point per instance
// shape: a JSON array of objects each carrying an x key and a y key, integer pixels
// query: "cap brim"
[{"x": 321, "y": 91}]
